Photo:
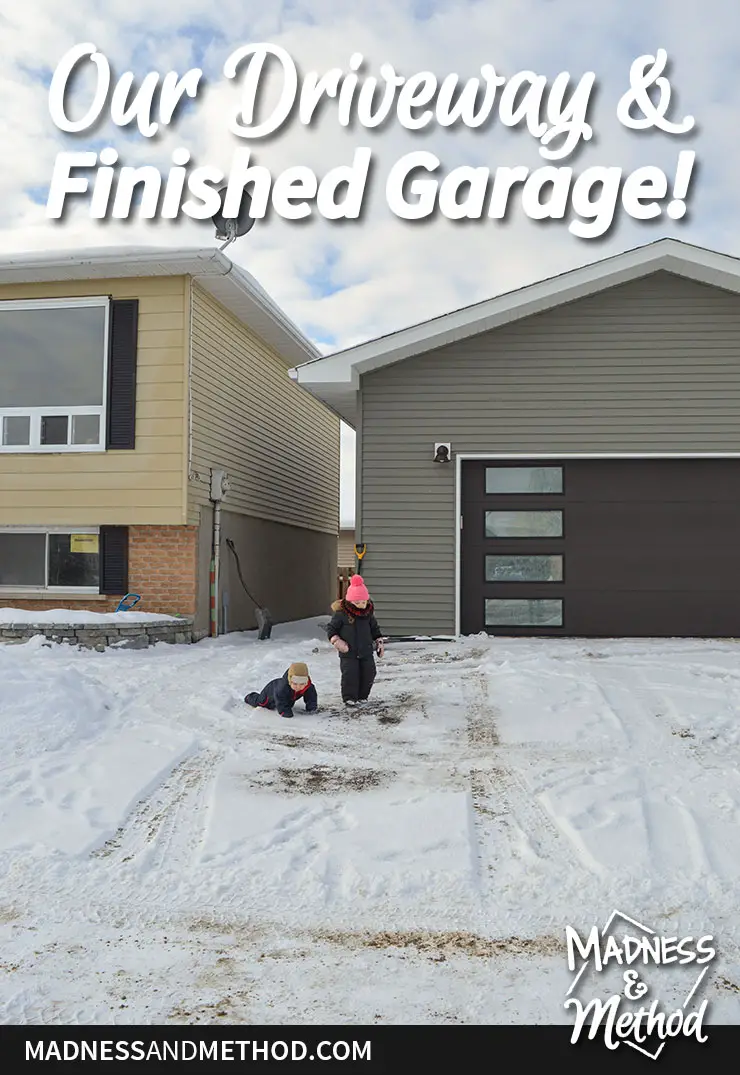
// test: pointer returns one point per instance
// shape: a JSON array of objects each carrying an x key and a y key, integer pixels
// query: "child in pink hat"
[{"x": 354, "y": 633}]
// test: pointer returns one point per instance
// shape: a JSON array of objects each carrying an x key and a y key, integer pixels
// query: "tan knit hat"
[{"x": 298, "y": 671}]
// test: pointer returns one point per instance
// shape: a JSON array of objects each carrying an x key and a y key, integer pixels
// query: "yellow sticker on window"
[{"x": 84, "y": 543}]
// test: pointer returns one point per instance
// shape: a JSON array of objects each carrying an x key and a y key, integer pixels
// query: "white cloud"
[{"x": 349, "y": 282}]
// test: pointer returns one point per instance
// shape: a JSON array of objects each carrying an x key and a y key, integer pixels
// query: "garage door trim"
[{"x": 462, "y": 457}]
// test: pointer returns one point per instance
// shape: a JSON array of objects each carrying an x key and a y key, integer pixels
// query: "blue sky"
[{"x": 346, "y": 282}]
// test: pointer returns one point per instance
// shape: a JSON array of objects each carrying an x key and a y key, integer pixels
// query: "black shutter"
[
  {"x": 113, "y": 559},
  {"x": 121, "y": 428}
]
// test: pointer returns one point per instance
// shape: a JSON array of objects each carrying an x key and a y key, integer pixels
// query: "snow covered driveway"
[{"x": 169, "y": 855}]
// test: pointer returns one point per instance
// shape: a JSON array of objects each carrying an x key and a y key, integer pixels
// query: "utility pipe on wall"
[
  {"x": 219, "y": 487},
  {"x": 216, "y": 572},
  {"x": 212, "y": 593}
]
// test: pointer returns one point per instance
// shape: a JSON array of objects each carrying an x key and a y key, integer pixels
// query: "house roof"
[
  {"x": 335, "y": 378},
  {"x": 229, "y": 284}
]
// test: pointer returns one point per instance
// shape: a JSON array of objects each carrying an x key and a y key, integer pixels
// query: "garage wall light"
[{"x": 441, "y": 453}]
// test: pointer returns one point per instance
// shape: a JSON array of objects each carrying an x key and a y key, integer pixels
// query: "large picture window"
[
  {"x": 53, "y": 375},
  {"x": 53, "y": 560}
]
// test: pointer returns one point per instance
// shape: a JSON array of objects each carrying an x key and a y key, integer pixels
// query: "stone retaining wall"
[{"x": 100, "y": 636}]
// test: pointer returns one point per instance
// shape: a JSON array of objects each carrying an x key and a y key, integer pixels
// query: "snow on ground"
[
  {"x": 70, "y": 616},
  {"x": 169, "y": 855}
]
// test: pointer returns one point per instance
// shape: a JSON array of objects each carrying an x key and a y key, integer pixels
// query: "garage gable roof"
[{"x": 335, "y": 378}]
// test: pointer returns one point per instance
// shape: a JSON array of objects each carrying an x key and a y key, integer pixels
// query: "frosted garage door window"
[
  {"x": 524, "y": 569},
  {"x": 523, "y": 524},
  {"x": 524, "y": 480},
  {"x": 518, "y": 613}
]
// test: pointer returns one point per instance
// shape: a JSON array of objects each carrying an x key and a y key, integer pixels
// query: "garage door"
[{"x": 601, "y": 548}]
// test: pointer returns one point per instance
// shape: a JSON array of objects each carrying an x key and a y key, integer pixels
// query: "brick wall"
[{"x": 162, "y": 568}]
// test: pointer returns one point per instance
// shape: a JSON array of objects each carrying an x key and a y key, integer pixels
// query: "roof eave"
[
  {"x": 341, "y": 397},
  {"x": 96, "y": 261},
  {"x": 230, "y": 285}
]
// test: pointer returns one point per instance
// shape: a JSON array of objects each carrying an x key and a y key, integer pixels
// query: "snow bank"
[{"x": 74, "y": 615}]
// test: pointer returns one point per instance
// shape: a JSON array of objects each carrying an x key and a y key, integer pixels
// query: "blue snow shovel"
[{"x": 123, "y": 607}]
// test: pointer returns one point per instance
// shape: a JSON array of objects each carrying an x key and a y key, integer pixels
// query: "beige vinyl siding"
[
  {"x": 279, "y": 445},
  {"x": 346, "y": 549},
  {"x": 143, "y": 486},
  {"x": 649, "y": 366}
]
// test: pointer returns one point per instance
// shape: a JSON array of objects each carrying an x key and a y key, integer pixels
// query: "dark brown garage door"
[{"x": 601, "y": 548}]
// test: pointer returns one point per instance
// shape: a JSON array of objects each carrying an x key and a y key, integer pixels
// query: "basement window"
[
  {"x": 54, "y": 375},
  {"x": 51, "y": 560}
]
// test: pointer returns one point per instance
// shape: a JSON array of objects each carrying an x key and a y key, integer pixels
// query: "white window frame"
[
  {"x": 37, "y": 413},
  {"x": 46, "y": 589}
]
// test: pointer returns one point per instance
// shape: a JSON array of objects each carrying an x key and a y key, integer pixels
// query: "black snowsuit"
[
  {"x": 359, "y": 629},
  {"x": 278, "y": 694}
]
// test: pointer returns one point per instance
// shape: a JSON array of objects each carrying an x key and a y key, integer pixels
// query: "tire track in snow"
[
  {"x": 673, "y": 834},
  {"x": 515, "y": 825},
  {"x": 166, "y": 831},
  {"x": 725, "y": 759},
  {"x": 513, "y": 832},
  {"x": 653, "y": 746}
]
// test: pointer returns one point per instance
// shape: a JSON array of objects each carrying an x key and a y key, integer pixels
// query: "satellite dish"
[{"x": 230, "y": 228}]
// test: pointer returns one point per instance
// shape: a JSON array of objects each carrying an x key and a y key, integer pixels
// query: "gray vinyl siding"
[
  {"x": 271, "y": 556},
  {"x": 647, "y": 367},
  {"x": 278, "y": 443}
]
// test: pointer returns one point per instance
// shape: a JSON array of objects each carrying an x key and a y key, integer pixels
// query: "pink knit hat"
[{"x": 357, "y": 590}]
